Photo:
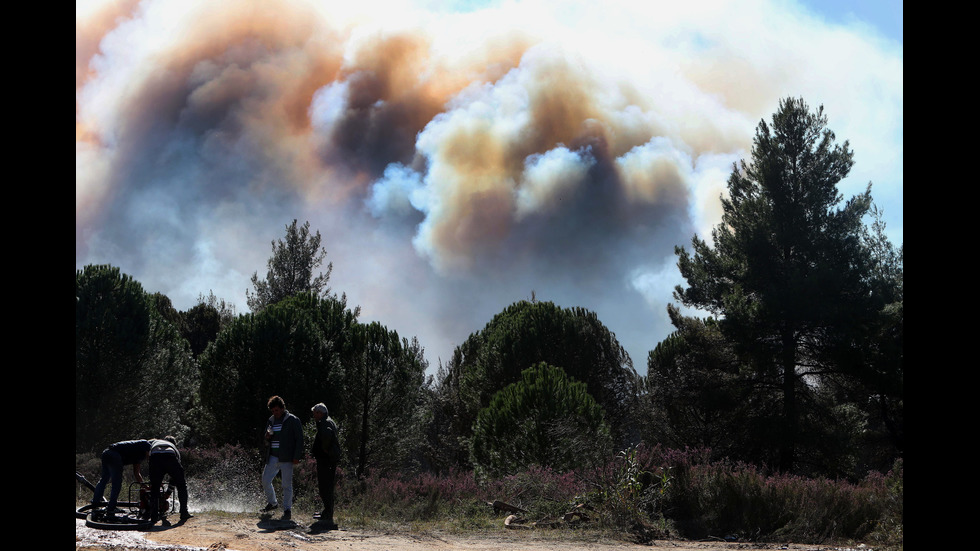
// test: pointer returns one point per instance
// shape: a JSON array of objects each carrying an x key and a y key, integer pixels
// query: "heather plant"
[
  {"x": 722, "y": 499},
  {"x": 458, "y": 500},
  {"x": 542, "y": 491},
  {"x": 455, "y": 498},
  {"x": 889, "y": 528},
  {"x": 643, "y": 490}
]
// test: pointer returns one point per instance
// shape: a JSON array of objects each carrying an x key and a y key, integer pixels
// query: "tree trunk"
[
  {"x": 787, "y": 451},
  {"x": 365, "y": 410}
]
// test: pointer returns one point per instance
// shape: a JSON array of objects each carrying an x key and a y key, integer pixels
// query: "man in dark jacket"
[
  {"x": 165, "y": 460},
  {"x": 284, "y": 436},
  {"x": 326, "y": 451},
  {"x": 114, "y": 458}
]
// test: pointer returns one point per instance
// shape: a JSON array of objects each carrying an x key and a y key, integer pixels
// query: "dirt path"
[{"x": 226, "y": 532}]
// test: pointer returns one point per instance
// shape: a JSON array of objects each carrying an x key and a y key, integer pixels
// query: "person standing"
[
  {"x": 114, "y": 458},
  {"x": 284, "y": 437},
  {"x": 326, "y": 451},
  {"x": 165, "y": 460}
]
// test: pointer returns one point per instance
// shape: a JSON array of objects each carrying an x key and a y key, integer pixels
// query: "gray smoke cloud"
[{"x": 454, "y": 161}]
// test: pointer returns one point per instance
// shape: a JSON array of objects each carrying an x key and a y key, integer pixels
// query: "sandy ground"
[{"x": 244, "y": 532}]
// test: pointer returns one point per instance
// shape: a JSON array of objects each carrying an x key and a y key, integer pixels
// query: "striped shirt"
[{"x": 276, "y": 429}]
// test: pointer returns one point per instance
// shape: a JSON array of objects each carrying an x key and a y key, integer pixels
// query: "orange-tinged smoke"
[
  {"x": 561, "y": 144},
  {"x": 322, "y": 107}
]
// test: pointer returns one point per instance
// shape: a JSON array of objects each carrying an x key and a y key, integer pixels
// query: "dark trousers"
[
  {"x": 166, "y": 464},
  {"x": 326, "y": 476},
  {"x": 112, "y": 468}
]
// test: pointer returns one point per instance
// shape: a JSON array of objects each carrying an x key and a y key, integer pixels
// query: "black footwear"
[
  {"x": 268, "y": 507},
  {"x": 184, "y": 515},
  {"x": 287, "y": 515},
  {"x": 324, "y": 520},
  {"x": 109, "y": 514}
]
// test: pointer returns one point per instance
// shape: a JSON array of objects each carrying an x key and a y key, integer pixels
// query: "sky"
[{"x": 456, "y": 156}]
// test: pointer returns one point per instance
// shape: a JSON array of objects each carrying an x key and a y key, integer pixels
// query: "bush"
[
  {"x": 454, "y": 498},
  {"x": 647, "y": 491},
  {"x": 723, "y": 499},
  {"x": 89, "y": 465},
  {"x": 545, "y": 418},
  {"x": 631, "y": 491},
  {"x": 889, "y": 529}
]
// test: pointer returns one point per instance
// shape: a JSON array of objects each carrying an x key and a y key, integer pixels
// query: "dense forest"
[{"x": 796, "y": 366}]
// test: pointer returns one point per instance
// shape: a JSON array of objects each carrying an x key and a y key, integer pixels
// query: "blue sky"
[{"x": 884, "y": 15}]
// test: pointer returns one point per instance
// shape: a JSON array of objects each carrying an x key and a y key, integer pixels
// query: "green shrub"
[
  {"x": 544, "y": 419},
  {"x": 643, "y": 490},
  {"x": 722, "y": 499}
]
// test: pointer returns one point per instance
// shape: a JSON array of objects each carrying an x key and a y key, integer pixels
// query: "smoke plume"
[{"x": 454, "y": 160}]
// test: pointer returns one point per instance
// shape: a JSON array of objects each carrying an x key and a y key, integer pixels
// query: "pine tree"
[
  {"x": 786, "y": 272},
  {"x": 291, "y": 269},
  {"x": 544, "y": 419}
]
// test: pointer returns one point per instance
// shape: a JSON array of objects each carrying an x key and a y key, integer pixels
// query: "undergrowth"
[{"x": 643, "y": 493}]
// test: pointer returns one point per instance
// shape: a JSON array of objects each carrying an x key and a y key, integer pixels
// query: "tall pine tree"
[{"x": 786, "y": 269}]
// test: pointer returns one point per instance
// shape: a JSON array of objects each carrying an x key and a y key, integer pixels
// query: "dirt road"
[{"x": 243, "y": 532}]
